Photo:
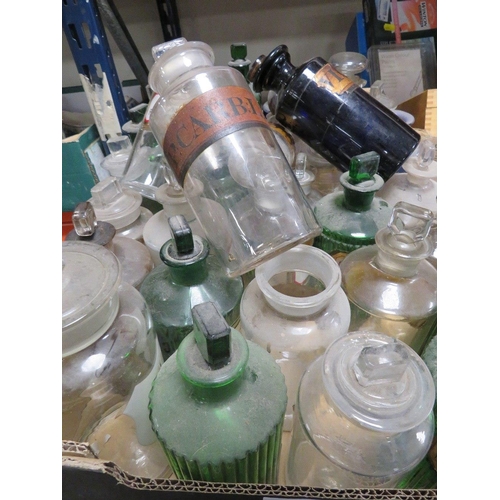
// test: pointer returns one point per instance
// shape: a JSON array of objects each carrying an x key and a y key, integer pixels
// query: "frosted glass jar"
[
  {"x": 136, "y": 262},
  {"x": 226, "y": 157},
  {"x": 295, "y": 308},
  {"x": 110, "y": 356},
  {"x": 363, "y": 415},
  {"x": 120, "y": 207}
]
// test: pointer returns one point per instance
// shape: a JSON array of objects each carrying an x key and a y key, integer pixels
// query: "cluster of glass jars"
[{"x": 268, "y": 306}]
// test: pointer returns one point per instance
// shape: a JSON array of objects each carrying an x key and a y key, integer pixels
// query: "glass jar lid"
[
  {"x": 378, "y": 381},
  {"x": 115, "y": 205},
  {"x": 91, "y": 275}
]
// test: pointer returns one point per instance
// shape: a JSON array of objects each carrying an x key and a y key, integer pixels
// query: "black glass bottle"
[{"x": 332, "y": 114}]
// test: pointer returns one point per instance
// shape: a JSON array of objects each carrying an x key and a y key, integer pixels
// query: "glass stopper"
[
  {"x": 183, "y": 236},
  {"x": 410, "y": 223},
  {"x": 381, "y": 364},
  {"x": 212, "y": 334},
  {"x": 84, "y": 219},
  {"x": 363, "y": 167}
]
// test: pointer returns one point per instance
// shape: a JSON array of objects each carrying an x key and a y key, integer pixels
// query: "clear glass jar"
[
  {"x": 120, "y": 207},
  {"x": 157, "y": 229},
  {"x": 363, "y": 415},
  {"x": 391, "y": 286},
  {"x": 226, "y": 157},
  {"x": 295, "y": 308},
  {"x": 136, "y": 262},
  {"x": 217, "y": 407},
  {"x": 110, "y": 356},
  {"x": 190, "y": 274}
]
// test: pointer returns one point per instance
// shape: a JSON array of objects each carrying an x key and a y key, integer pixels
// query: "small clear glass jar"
[
  {"x": 295, "y": 308},
  {"x": 217, "y": 407},
  {"x": 226, "y": 157},
  {"x": 364, "y": 415},
  {"x": 120, "y": 207},
  {"x": 110, "y": 356}
]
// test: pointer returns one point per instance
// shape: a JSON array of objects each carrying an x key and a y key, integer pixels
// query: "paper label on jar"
[
  {"x": 205, "y": 120},
  {"x": 328, "y": 77}
]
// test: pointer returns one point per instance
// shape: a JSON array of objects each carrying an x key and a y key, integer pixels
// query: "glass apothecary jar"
[
  {"x": 110, "y": 356},
  {"x": 351, "y": 215},
  {"x": 217, "y": 406},
  {"x": 190, "y": 274},
  {"x": 120, "y": 207},
  {"x": 136, "y": 262},
  {"x": 364, "y": 415},
  {"x": 295, "y": 308},
  {"x": 391, "y": 286},
  {"x": 226, "y": 157}
]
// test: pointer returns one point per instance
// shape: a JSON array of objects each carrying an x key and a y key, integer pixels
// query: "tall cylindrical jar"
[
  {"x": 217, "y": 407},
  {"x": 364, "y": 415},
  {"x": 226, "y": 157},
  {"x": 332, "y": 114},
  {"x": 110, "y": 356},
  {"x": 295, "y": 308}
]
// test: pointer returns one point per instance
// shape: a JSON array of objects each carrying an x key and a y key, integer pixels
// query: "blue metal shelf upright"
[{"x": 89, "y": 46}]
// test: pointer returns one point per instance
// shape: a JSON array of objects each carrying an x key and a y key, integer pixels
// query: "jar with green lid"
[
  {"x": 192, "y": 274},
  {"x": 218, "y": 405},
  {"x": 350, "y": 216}
]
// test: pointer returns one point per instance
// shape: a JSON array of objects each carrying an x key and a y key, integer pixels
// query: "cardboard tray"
[{"x": 86, "y": 477}]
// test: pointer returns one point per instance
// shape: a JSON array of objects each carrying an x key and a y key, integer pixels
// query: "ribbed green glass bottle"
[
  {"x": 218, "y": 405},
  {"x": 351, "y": 215},
  {"x": 192, "y": 275}
]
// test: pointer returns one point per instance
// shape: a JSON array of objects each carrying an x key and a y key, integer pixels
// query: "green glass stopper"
[
  {"x": 363, "y": 167},
  {"x": 183, "y": 236},
  {"x": 238, "y": 50},
  {"x": 212, "y": 334}
]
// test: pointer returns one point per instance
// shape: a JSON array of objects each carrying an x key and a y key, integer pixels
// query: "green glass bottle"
[
  {"x": 351, "y": 215},
  {"x": 192, "y": 275},
  {"x": 217, "y": 406}
]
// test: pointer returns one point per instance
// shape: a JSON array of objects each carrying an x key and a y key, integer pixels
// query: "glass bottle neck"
[
  {"x": 395, "y": 265},
  {"x": 358, "y": 201},
  {"x": 192, "y": 274}
]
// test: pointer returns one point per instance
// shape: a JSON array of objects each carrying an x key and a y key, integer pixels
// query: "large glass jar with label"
[
  {"x": 136, "y": 262},
  {"x": 110, "y": 356},
  {"x": 331, "y": 113},
  {"x": 191, "y": 274},
  {"x": 295, "y": 308},
  {"x": 364, "y": 415},
  {"x": 217, "y": 407},
  {"x": 225, "y": 157},
  {"x": 391, "y": 286}
]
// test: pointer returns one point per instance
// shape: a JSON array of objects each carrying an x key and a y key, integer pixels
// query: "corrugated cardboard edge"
[
  {"x": 79, "y": 455},
  {"x": 424, "y": 108}
]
